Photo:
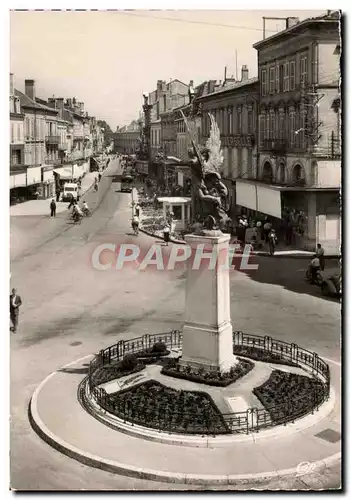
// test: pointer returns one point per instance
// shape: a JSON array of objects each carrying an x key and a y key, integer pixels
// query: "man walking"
[
  {"x": 15, "y": 303},
  {"x": 53, "y": 208},
  {"x": 320, "y": 255}
]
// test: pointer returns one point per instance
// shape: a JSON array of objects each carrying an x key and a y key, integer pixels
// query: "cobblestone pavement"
[{"x": 71, "y": 310}]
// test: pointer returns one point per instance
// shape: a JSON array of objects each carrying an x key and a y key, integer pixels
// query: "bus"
[{"x": 126, "y": 184}]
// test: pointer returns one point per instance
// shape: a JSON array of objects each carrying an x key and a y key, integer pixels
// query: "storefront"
[
  {"x": 48, "y": 182},
  {"x": 18, "y": 190}
]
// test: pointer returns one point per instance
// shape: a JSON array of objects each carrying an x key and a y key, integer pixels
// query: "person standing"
[
  {"x": 166, "y": 231},
  {"x": 267, "y": 226},
  {"x": 137, "y": 210},
  {"x": 15, "y": 303},
  {"x": 320, "y": 255},
  {"x": 99, "y": 176},
  {"x": 53, "y": 208}
]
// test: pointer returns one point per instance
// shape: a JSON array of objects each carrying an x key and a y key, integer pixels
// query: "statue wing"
[{"x": 213, "y": 144}]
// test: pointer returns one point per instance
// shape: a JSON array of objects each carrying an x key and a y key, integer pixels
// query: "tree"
[{"x": 108, "y": 133}]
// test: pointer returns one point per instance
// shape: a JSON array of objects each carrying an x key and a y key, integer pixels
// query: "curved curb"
[
  {"x": 277, "y": 432},
  {"x": 143, "y": 473}
]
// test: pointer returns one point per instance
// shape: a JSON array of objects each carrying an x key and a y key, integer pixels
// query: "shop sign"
[{"x": 238, "y": 141}]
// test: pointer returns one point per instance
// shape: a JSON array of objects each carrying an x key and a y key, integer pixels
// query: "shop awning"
[
  {"x": 264, "y": 199},
  {"x": 64, "y": 173}
]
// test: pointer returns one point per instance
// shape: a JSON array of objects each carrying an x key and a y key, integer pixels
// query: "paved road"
[{"x": 71, "y": 309}]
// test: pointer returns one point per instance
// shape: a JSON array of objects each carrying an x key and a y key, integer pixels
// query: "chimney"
[
  {"x": 30, "y": 89},
  {"x": 69, "y": 103},
  {"x": 60, "y": 105},
  {"x": 12, "y": 86},
  {"x": 81, "y": 105},
  {"x": 291, "y": 21},
  {"x": 244, "y": 73},
  {"x": 74, "y": 100}
]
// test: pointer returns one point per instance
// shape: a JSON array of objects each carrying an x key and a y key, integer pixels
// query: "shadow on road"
[
  {"x": 75, "y": 371},
  {"x": 287, "y": 273}
]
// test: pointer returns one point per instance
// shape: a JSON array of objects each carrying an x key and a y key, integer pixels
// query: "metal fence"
[{"x": 251, "y": 420}]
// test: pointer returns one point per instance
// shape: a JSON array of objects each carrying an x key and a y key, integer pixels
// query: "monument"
[{"x": 208, "y": 333}]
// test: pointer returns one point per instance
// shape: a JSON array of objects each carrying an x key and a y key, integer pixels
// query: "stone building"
[
  {"x": 299, "y": 163},
  {"x": 18, "y": 169},
  {"x": 234, "y": 106}
]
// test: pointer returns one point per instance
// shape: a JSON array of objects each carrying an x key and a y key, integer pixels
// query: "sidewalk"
[{"x": 42, "y": 207}]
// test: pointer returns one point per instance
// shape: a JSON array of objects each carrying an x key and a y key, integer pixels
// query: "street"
[{"x": 71, "y": 310}]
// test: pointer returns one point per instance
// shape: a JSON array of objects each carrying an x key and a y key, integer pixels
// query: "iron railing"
[{"x": 251, "y": 420}]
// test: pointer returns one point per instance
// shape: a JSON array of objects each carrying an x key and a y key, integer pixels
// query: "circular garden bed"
[
  {"x": 154, "y": 405},
  {"x": 284, "y": 397}
]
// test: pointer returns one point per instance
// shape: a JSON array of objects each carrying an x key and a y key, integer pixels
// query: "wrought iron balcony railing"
[{"x": 52, "y": 139}]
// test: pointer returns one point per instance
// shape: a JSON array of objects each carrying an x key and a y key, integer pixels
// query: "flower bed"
[
  {"x": 174, "y": 369},
  {"x": 260, "y": 355},
  {"x": 109, "y": 372},
  {"x": 154, "y": 405},
  {"x": 286, "y": 395}
]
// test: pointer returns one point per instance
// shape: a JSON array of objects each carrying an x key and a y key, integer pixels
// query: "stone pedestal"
[{"x": 207, "y": 332}]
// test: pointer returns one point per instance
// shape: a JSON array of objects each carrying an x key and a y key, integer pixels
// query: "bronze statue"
[{"x": 210, "y": 193}]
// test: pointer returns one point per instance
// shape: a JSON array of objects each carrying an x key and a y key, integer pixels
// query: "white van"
[{"x": 70, "y": 190}]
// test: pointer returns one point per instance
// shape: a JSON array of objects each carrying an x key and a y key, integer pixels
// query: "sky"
[{"x": 109, "y": 59}]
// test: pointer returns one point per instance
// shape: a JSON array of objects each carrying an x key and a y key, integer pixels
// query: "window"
[
  {"x": 303, "y": 70},
  {"x": 249, "y": 163},
  {"x": 262, "y": 126},
  {"x": 240, "y": 159},
  {"x": 263, "y": 82},
  {"x": 240, "y": 119},
  {"x": 286, "y": 77},
  {"x": 272, "y": 80},
  {"x": 272, "y": 125},
  {"x": 292, "y": 75},
  {"x": 267, "y": 130},
  {"x": 277, "y": 75},
  {"x": 292, "y": 127},
  {"x": 282, "y": 126},
  {"x": 249, "y": 122},
  {"x": 231, "y": 114},
  {"x": 281, "y": 78}
]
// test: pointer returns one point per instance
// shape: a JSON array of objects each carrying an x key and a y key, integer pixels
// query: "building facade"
[
  {"x": 234, "y": 106},
  {"x": 17, "y": 163},
  {"x": 299, "y": 130},
  {"x": 127, "y": 138}
]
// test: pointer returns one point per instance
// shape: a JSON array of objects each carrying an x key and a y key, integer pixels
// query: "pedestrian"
[
  {"x": 58, "y": 193},
  {"x": 267, "y": 226},
  {"x": 15, "y": 303},
  {"x": 72, "y": 202},
  {"x": 53, "y": 208},
  {"x": 289, "y": 232},
  {"x": 137, "y": 210},
  {"x": 320, "y": 255},
  {"x": 166, "y": 231},
  {"x": 100, "y": 176}
]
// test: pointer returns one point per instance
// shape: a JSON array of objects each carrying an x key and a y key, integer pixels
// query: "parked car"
[{"x": 331, "y": 284}]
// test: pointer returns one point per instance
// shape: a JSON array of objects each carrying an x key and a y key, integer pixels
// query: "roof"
[
  {"x": 231, "y": 86},
  {"x": 325, "y": 18},
  {"x": 29, "y": 103}
]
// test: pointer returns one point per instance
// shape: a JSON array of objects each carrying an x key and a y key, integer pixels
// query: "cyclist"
[{"x": 135, "y": 224}]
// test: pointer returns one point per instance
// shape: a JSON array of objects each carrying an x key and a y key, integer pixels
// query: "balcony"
[
  {"x": 275, "y": 145},
  {"x": 52, "y": 140}
]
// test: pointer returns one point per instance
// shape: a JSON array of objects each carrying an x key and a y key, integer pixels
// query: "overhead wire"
[{"x": 196, "y": 22}]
